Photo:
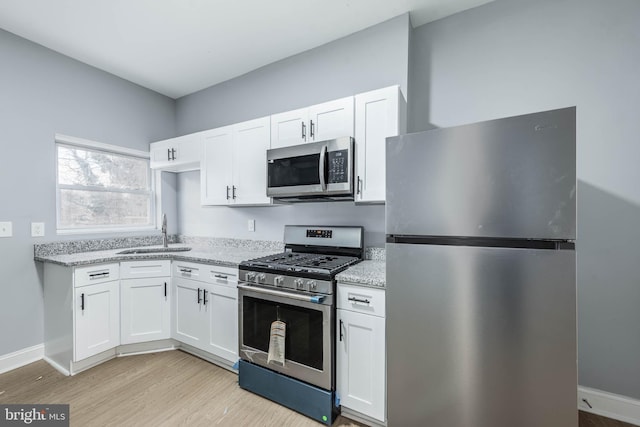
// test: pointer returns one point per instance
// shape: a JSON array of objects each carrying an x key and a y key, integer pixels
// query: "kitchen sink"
[{"x": 153, "y": 250}]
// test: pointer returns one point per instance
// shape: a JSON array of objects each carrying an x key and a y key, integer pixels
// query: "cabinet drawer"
[
  {"x": 361, "y": 299},
  {"x": 224, "y": 276},
  {"x": 188, "y": 270},
  {"x": 95, "y": 274},
  {"x": 144, "y": 269}
]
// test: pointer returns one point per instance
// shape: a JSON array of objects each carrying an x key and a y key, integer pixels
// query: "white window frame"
[{"x": 73, "y": 141}]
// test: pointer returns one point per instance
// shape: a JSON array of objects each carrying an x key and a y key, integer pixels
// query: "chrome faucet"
[{"x": 165, "y": 239}]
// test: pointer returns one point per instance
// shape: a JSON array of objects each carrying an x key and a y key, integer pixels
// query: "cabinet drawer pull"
[
  {"x": 185, "y": 270},
  {"x": 221, "y": 276},
  {"x": 199, "y": 299},
  {"x": 98, "y": 275},
  {"x": 362, "y": 300},
  {"x": 82, "y": 302}
]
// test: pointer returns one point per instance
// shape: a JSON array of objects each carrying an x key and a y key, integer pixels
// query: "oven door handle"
[
  {"x": 317, "y": 299},
  {"x": 322, "y": 170}
]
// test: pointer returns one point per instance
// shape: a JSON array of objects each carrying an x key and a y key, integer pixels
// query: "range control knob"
[
  {"x": 251, "y": 276},
  {"x": 299, "y": 283},
  {"x": 261, "y": 278},
  {"x": 278, "y": 280},
  {"x": 312, "y": 285}
]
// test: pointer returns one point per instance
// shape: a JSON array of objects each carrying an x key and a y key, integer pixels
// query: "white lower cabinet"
[
  {"x": 222, "y": 308},
  {"x": 206, "y": 308},
  {"x": 360, "y": 354},
  {"x": 145, "y": 301},
  {"x": 189, "y": 315},
  {"x": 97, "y": 319}
]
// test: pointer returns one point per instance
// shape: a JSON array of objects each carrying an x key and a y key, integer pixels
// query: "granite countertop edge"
[{"x": 368, "y": 273}]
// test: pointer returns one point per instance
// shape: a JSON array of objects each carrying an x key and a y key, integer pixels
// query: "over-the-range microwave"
[{"x": 318, "y": 171}]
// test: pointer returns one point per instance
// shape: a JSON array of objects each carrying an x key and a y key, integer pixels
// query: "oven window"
[
  {"x": 303, "y": 342},
  {"x": 299, "y": 170}
]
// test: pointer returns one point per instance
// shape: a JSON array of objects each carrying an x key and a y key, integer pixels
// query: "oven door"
[
  {"x": 309, "y": 346},
  {"x": 318, "y": 169}
]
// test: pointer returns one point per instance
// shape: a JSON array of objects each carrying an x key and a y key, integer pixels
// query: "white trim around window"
[{"x": 65, "y": 140}]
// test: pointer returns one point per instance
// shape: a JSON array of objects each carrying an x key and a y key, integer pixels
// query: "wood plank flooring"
[
  {"x": 164, "y": 389},
  {"x": 171, "y": 388}
]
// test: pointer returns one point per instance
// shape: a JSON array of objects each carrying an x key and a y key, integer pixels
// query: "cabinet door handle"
[
  {"x": 312, "y": 133},
  {"x": 233, "y": 192},
  {"x": 358, "y": 188},
  {"x": 304, "y": 131},
  {"x": 340, "y": 330},
  {"x": 227, "y": 192},
  {"x": 204, "y": 296},
  {"x": 199, "y": 299},
  {"x": 362, "y": 300},
  {"x": 82, "y": 302},
  {"x": 173, "y": 154},
  {"x": 168, "y": 154},
  {"x": 221, "y": 276},
  {"x": 165, "y": 289}
]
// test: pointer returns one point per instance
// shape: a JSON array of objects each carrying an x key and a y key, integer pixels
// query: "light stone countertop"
[
  {"x": 215, "y": 255},
  {"x": 370, "y": 273}
]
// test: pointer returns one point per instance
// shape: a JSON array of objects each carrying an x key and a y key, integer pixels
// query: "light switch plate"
[
  {"x": 37, "y": 229},
  {"x": 251, "y": 225},
  {"x": 6, "y": 229}
]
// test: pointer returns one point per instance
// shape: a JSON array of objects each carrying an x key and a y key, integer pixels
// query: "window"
[{"x": 102, "y": 187}]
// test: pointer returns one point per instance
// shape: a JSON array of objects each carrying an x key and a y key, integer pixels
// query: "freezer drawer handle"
[{"x": 362, "y": 300}]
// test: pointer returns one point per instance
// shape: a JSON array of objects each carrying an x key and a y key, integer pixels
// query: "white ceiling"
[{"x": 177, "y": 47}]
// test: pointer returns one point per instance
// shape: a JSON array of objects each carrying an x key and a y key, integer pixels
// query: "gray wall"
[
  {"x": 43, "y": 93},
  {"x": 370, "y": 59},
  {"x": 514, "y": 57},
  {"x": 373, "y": 58}
]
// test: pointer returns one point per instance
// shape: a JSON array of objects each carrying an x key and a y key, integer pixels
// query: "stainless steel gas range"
[{"x": 296, "y": 289}]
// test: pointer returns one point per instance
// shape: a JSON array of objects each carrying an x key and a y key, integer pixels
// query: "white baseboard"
[
  {"x": 609, "y": 405},
  {"x": 21, "y": 357}
]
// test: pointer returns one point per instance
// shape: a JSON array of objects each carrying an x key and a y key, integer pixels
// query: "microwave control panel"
[{"x": 338, "y": 166}]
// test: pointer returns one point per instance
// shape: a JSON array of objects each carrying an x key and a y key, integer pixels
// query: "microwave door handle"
[{"x": 321, "y": 169}]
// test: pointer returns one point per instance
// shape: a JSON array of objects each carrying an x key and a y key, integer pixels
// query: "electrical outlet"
[
  {"x": 6, "y": 229},
  {"x": 37, "y": 229},
  {"x": 251, "y": 225}
]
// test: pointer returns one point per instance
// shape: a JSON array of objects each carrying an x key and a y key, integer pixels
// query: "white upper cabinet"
[
  {"x": 378, "y": 114},
  {"x": 319, "y": 122},
  {"x": 289, "y": 128},
  {"x": 179, "y": 154},
  {"x": 216, "y": 173},
  {"x": 249, "y": 162},
  {"x": 234, "y": 164},
  {"x": 331, "y": 119}
]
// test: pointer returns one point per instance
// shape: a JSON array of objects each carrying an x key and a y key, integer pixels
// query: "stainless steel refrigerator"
[{"x": 481, "y": 282}]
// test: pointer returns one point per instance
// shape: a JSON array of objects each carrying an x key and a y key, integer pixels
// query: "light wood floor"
[{"x": 162, "y": 389}]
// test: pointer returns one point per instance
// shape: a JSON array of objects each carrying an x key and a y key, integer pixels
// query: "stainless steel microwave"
[{"x": 317, "y": 171}]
